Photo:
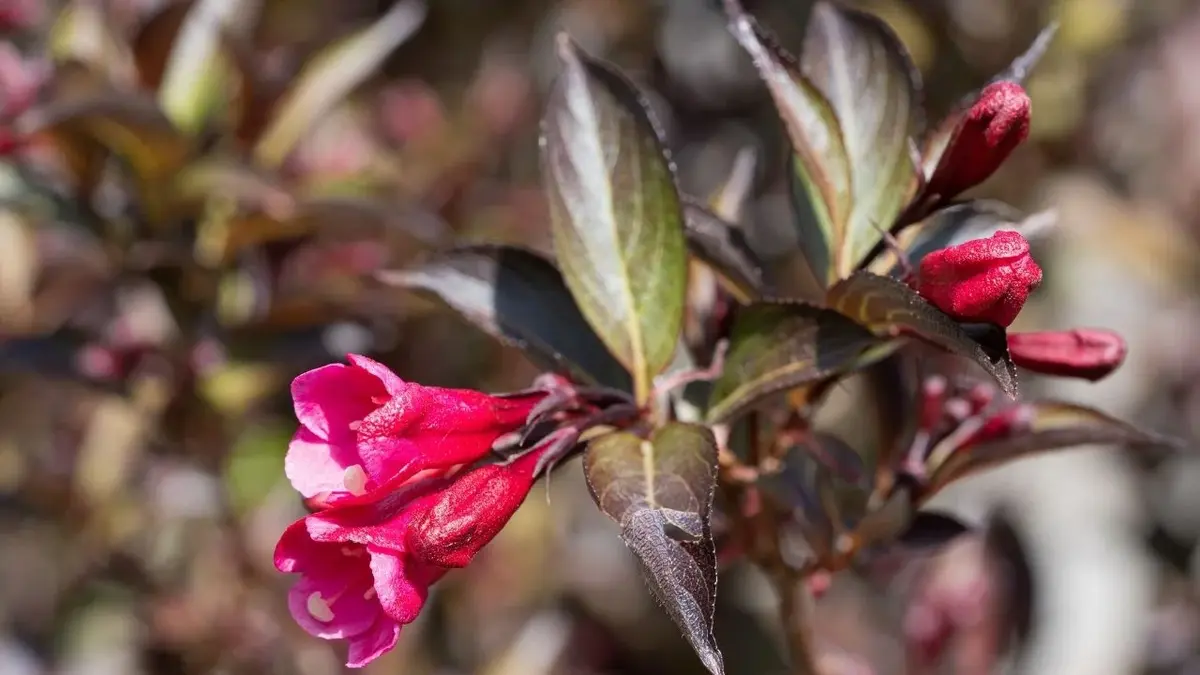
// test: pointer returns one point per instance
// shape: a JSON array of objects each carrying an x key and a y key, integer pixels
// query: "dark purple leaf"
[
  {"x": 660, "y": 491},
  {"x": 776, "y": 346},
  {"x": 889, "y": 308},
  {"x": 518, "y": 297}
]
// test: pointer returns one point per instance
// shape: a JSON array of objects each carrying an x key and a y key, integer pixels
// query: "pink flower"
[
  {"x": 18, "y": 15},
  {"x": 994, "y": 126},
  {"x": 363, "y": 429},
  {"x": 20, "y": 81},
  {"x": 366, "y": 568},
  {"x": 985, "y": 280},
  {"x": 351, "y": 592},
  {"x": 1087, "y": 353}
]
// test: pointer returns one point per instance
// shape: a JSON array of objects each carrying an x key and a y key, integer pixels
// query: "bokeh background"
[{"x": 144, "y": 408}]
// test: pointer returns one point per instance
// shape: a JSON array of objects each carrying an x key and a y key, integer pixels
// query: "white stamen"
[
  {"x": 355, "y": 480},
  {"x": 319, "y": 609},
  {"x": 354, "y": 426},
  {"x": 370, "y": 594},
  {"x": 353, "y": 552}
]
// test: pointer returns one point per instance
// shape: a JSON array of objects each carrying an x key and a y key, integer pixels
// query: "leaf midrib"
[{"x": 590, "y": 119}]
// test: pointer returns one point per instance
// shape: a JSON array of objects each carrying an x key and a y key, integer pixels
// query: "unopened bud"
[
  {"x": 994, "y": 126},
  {"x": 1086, "y": 353},
  {"x": 984, "y": 280}
]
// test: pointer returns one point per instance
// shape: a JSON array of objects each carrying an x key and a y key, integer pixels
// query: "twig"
[{"x": 794, "y": 609}]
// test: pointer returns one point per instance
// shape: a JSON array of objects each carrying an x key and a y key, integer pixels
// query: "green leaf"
[
  {"x": 660, "y": 491},
  {"x": 722, "y": 247},
  {"x": 939, "y": 137},
  {"x": 84, "y": 32},
  {"x": 821, "y": 164},
  {"x": 850, "y": 106},
  {"x": 861, "y": 67},
  {"x": 890, "y": 308},
  {"x": 1055, "y": 425},
  {"x": 196, "y": 73},
  {"x": 333, "y": 75},
  {"x": 615, "y": 214},
  {"x": 519, "y": 298},
  {"x": 779, "y": 345}
]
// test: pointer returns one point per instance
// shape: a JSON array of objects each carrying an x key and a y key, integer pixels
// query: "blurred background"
[{"x": 144, "y": 367}]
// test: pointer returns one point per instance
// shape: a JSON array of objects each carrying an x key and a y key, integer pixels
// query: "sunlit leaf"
[
  {"x": 154, "y": 39},
  {"x": 1055, "y": 425},
  {"x": 861, "y": 67},
  {"x": 660, "y": 491},
  {"x": 333, "y": 75},
  {"x": 518, "y": 297},
  {"x": 889, "y": 307},
  {"x": 776, "y": 346},
  {"x": 83, "y": 32},
  {"x": 938, "y": 138},
  {"x": 615, "y": 214},
  {"x": 196, "y": 73},
  {"x": 821, "y": 164},
  {"x": 723, "y": 248},
  {"x": 850, "y": 105}
]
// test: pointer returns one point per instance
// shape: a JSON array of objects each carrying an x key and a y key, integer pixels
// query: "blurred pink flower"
[
  {"x": 410, "y": 111},
  {"x": 20, "y": 15},
  {"x": 20, "y": 80}
]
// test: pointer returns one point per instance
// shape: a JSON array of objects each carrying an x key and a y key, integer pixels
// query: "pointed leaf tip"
[
  {"x": 890, "y": 308},
  {"x": 660, "y": 491}
]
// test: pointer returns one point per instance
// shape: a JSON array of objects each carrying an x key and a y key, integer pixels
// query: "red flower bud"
[
  {"x": 469, "y": 512},
  {"x": 994, "y": 126},
  {"x": 1086, "y": 353},
  {"x": 985, "y": 280}
]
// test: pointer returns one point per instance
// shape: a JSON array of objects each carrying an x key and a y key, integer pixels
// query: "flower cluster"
[
  {"x": 952, "y": 419},
  {"x": 387, "y": 467},
  {"x": 988, "y": 280}
]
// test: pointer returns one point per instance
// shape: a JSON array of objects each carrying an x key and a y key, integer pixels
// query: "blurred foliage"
[{"x": 211, "y": 185}]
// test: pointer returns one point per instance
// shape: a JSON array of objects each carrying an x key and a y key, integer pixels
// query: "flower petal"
[
  {"x": 332, "y": 608},
  {"x": 330, "y": 398},
  {"x": 402, "y": 583},
  {"x": 384, "y": 459},
  {"x": 296, "y": 548},
  {"x": 391, "y": 382},
  {"x": 381, "y": 522},
  {"x": 373, "y": 642},
  {"x": 315, "y": 466}
]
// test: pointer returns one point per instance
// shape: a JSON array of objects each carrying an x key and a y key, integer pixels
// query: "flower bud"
[
  {"x": 1086, "y": 353},
  {"x": 985, "y": 280},
  {"x": 470, "y": 512},
  {"x": 994, "y": 126}
]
